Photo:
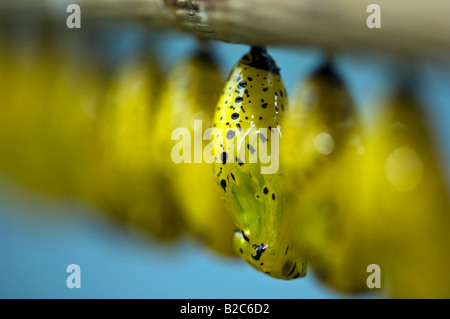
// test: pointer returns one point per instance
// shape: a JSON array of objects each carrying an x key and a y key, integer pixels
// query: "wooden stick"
[{"x": 408, "y": 27}]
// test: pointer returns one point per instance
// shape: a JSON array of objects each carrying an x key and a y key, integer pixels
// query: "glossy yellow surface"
[{"x": 248, "y": 115}]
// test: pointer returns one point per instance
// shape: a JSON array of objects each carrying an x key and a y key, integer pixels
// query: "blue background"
[{"x": 41, "y": 236}]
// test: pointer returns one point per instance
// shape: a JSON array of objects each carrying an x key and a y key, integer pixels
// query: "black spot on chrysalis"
[
  {"x": 259, "y": 250},
  {"x": 262, "y": 137},
  {"x": 245, "y": 237},
  {"x": 223, "y": 183},
  {"x": 224, "y": 157},
  {"x": 242, "y": 85}
]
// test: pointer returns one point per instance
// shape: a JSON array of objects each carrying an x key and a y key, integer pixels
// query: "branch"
[{"x": 408, "y": 27}]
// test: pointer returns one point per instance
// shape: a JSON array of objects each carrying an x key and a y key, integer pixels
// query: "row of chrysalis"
[{"x": 342, "y": 198}]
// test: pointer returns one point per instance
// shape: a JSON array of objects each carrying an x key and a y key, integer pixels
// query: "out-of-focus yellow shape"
[
  {"x": 126, "y": 180},
  {"x": 191, "y": 92},
  {"x": 321, "y": 156},
  {"x": 44, "y": 127},
  {"x": 324, "y": 143},
  {"x": 404, "y": 169},
  {"x": 411, "y": 210}
]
